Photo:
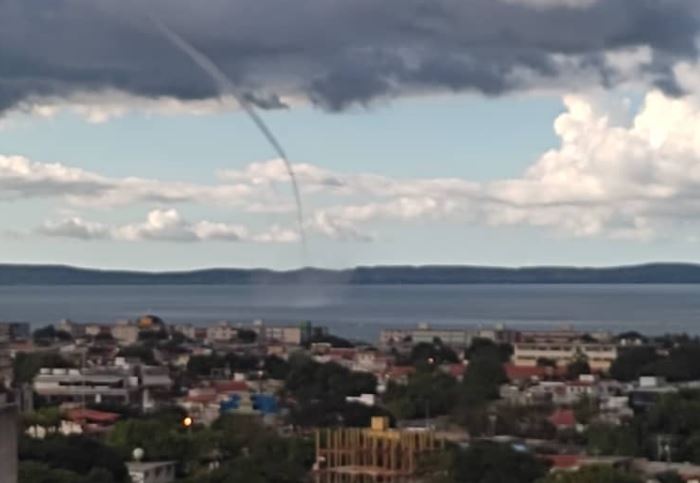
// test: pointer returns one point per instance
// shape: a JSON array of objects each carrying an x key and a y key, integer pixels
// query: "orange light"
[{"x": 187, "y": 422}]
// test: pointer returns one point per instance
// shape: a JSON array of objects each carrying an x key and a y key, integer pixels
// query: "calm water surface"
[{"x": 361, "y": 311}]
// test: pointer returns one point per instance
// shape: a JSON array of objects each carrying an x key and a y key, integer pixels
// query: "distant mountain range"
[{"x": 663, "y": 273}]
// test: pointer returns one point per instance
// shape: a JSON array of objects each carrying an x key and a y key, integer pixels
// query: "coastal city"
[
  {"x": 150, "y": 402},
  {"x": 349, "y": 241}
]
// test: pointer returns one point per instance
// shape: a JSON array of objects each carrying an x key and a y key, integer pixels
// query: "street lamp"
[{"x": 187, "y": 423}]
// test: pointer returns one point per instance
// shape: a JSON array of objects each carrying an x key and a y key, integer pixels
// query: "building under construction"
[{"x": 371, "y": 455}]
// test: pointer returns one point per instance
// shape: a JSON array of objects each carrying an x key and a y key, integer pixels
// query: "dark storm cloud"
[{"x": 335, "y": 52}]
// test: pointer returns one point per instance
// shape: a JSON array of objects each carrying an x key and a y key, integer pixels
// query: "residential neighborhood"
[{"x": 566, "y": 399}]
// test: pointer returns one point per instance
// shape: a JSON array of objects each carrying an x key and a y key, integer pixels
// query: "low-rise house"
[
  {"x": 91, "y": 421},
  {"x": 563, "y": 419},
  {"x": 151, "y": 472},
  {"x": 188, "y": 330},
  {"x": 395, "y": 374},
  {"x": 93, "y": 330},
  {"x": 74, "y": 421},
  {"x": 688, "y": 472},
  {"x": 455, "y": 370},
  {"x": 364, "y": 399},
  {"x": 207, "y": 403},
  {"x": 371, "y": 361},
  {"x": 525, "y": 374},
  {"x": 648, "y": 391},
  {"x": 125, "y": 332}
]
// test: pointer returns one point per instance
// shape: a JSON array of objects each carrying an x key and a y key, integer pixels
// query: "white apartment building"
[
  {"x": 125, "y": 332},
  {"x": 75, "y": 385},
  {"x": 221, "y": 332},
  {"x": 459, "y": 337},
  {"x": 188, "y": 330},
  {"x": 120, "y": 384},
  {"x": 283, "y": 335}
]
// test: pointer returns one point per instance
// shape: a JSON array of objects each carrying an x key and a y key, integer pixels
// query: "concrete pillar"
[{"x": 8, "y": 443}]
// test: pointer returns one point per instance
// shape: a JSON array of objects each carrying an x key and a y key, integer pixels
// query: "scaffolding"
[{"x": 372, "y": 455}]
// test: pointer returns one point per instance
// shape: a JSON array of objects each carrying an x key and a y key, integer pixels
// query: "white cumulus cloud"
[{"x": 166, "y": 225}]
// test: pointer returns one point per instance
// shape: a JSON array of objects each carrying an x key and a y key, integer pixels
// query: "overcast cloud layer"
[{"x": 337, "y": 53}]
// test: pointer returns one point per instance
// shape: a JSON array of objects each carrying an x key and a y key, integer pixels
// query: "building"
[
  {"x": 89, "y": 385},
  {"x": 151, "y": 472},
  {"x": 93, "y": 330},
  {"x": 372, "y": 454},
  {"x": 188, "y": 330},
  {"x": 125, "y": 332},
  {"x": 121, "y": 384},
  {"x": 6, "y": 369},
  {"x": 454, "y": 337},
  {"x": 221, "y": 332},
  {"x": 77, "y": 421},
  {"x": 16, "y": 331},
  {"x": 599, "y": 356},
  {"x": 282, "y": 335},
  {"x": 8, "y": 442},
  {"x": 75, "y": 330}
]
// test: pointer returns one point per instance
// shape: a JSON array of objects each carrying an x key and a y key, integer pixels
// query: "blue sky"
[
  {"x": 487, "y": 132},
  {"x": 466, "y": 136}
]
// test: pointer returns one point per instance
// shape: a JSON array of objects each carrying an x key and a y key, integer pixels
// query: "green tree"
[
  {"x": 632, "y": 362},
  {"x": 26, "y": 365},
  {"x": 253, "y": 453},
  {"x": 479, "y": 346},
  {"x": 49, "y": 335},
  {"x": 483, "y": 378},
  {"x": 586, "y": 409},
  {"x": 424, "y": 354},
  {"x": 592, "y": 474},
  {"x": 669, "y": 477},
  {"x": 48, "y": 417},
  {"x": 78, "y": 454},
  {"x": 605, "y": 439},
  {"x": 577, "y": 368},
  {"x": 247, "y": 336},
  {"x": 38, "y": 472},
  {"x": 276, "y": 368},
  {"x": 427, "y": 392},
  {"x": 308, "y": 380},
  {"x": 489, "y": 463}
]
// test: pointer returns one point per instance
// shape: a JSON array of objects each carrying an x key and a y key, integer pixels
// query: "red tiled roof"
[
  {"x": 524, "y": 372},
  {"x": 563, "y": 461},
  {"x": 563, "y": 418},
  {"x": 92, "y": 416},
  {"x": 457, "y": 370},
  {"x": 231, "y": 386},
  {"x": 401, "y": 371},
  {"x": 201, "y": 398},
  {"x": 343, "y": 352}
]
